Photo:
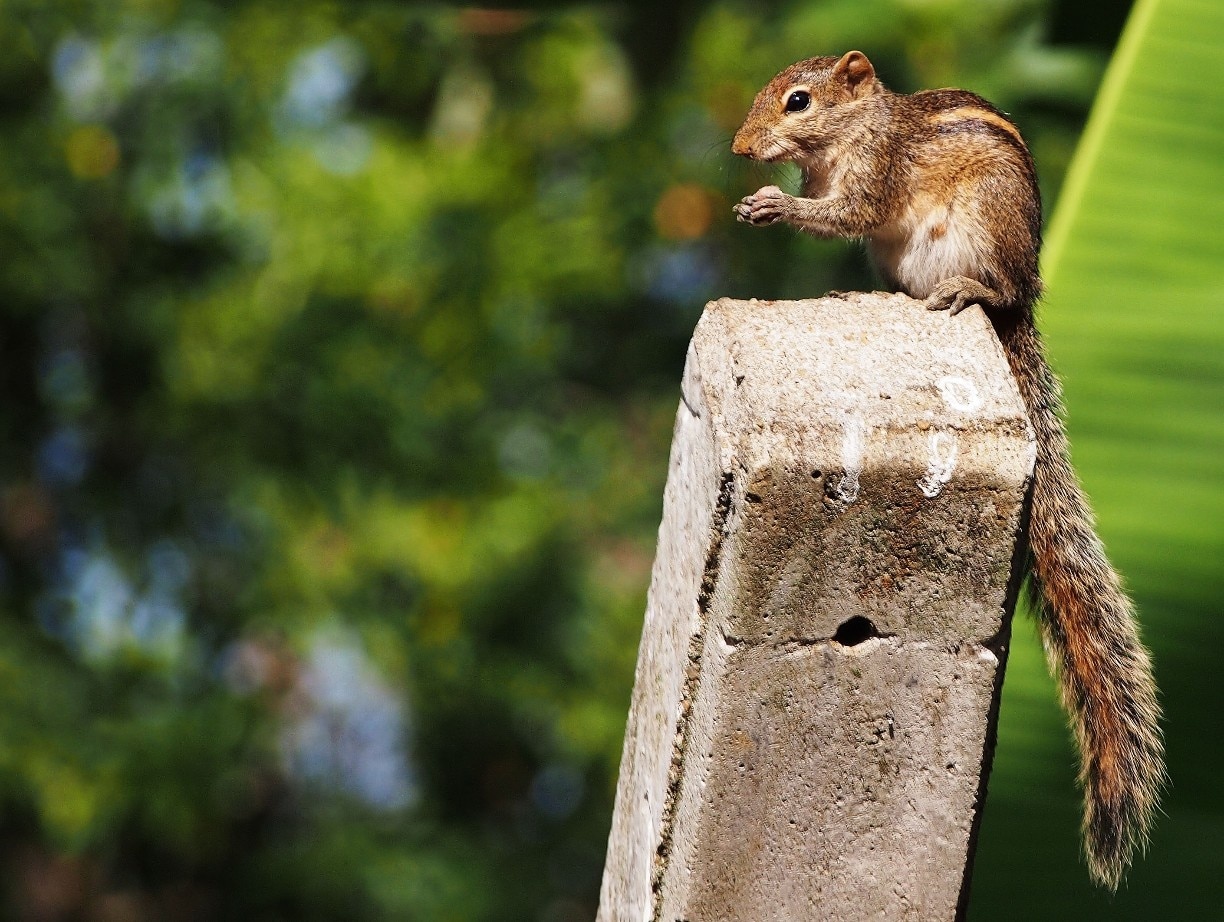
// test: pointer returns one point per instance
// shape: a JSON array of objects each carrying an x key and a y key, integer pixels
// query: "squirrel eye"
[{"x": 798, "y": 101}]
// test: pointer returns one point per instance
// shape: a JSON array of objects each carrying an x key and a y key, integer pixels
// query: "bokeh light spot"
[
  {"x": 683, "y": 212},
  {"x": 92, "y": 152},
  {"x": 480, "y": 21}
]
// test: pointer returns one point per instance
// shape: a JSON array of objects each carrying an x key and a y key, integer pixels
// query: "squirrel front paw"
[{"x": 767, "y": 205}]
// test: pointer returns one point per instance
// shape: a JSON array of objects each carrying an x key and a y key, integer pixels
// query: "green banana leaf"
[{"x": 1134, "y": 321}]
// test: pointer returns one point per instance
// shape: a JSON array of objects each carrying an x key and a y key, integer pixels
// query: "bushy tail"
[{"x": 1090, "y": 635}]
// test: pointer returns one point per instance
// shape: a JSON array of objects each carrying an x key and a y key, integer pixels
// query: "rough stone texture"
[{"x": 833, "y": 460}]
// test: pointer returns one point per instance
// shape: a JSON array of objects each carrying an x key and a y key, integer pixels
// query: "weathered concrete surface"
[{"x": 833, "y": 461}]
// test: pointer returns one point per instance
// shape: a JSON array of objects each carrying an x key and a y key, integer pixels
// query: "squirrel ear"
[{"x": 855, "y": 72}]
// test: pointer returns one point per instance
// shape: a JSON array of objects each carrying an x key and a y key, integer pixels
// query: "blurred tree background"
[{"x": 340, "y": 345}]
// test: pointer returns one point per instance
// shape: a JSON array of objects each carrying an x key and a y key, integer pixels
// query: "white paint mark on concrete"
[
  {"x": 854, "y": 440},
  {"x": 941, "y": 465},
  {"x": 959, "y": 393}
]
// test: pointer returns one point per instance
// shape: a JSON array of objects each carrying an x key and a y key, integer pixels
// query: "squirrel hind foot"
[{"x": 959, "y": 292}]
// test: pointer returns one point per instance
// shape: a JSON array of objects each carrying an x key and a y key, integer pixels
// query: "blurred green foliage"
[{"x": 339, "y": 347}]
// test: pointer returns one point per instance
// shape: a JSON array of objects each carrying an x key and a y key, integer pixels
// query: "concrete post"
[{"x": 816, "y": 690}]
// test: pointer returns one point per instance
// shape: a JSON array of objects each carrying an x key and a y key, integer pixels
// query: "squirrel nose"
[{"x": 741, "y": 145}]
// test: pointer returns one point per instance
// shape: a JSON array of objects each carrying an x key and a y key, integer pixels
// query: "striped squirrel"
[{"x": 942, "y": 188}]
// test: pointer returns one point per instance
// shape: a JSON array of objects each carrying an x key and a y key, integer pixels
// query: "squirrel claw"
[{"x": 953, "y": 306}]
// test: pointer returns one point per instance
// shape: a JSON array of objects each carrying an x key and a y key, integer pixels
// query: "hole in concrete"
[{"x": 855, "y": 631}]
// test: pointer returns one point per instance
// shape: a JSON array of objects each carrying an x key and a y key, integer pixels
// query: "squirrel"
[{"x": 942, "y": 188}]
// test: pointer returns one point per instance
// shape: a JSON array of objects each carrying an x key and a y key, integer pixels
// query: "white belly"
[{"x": 919, "y": 254}]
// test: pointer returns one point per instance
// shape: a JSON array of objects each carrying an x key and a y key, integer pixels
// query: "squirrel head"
[{"x": 804, "y": 105}]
